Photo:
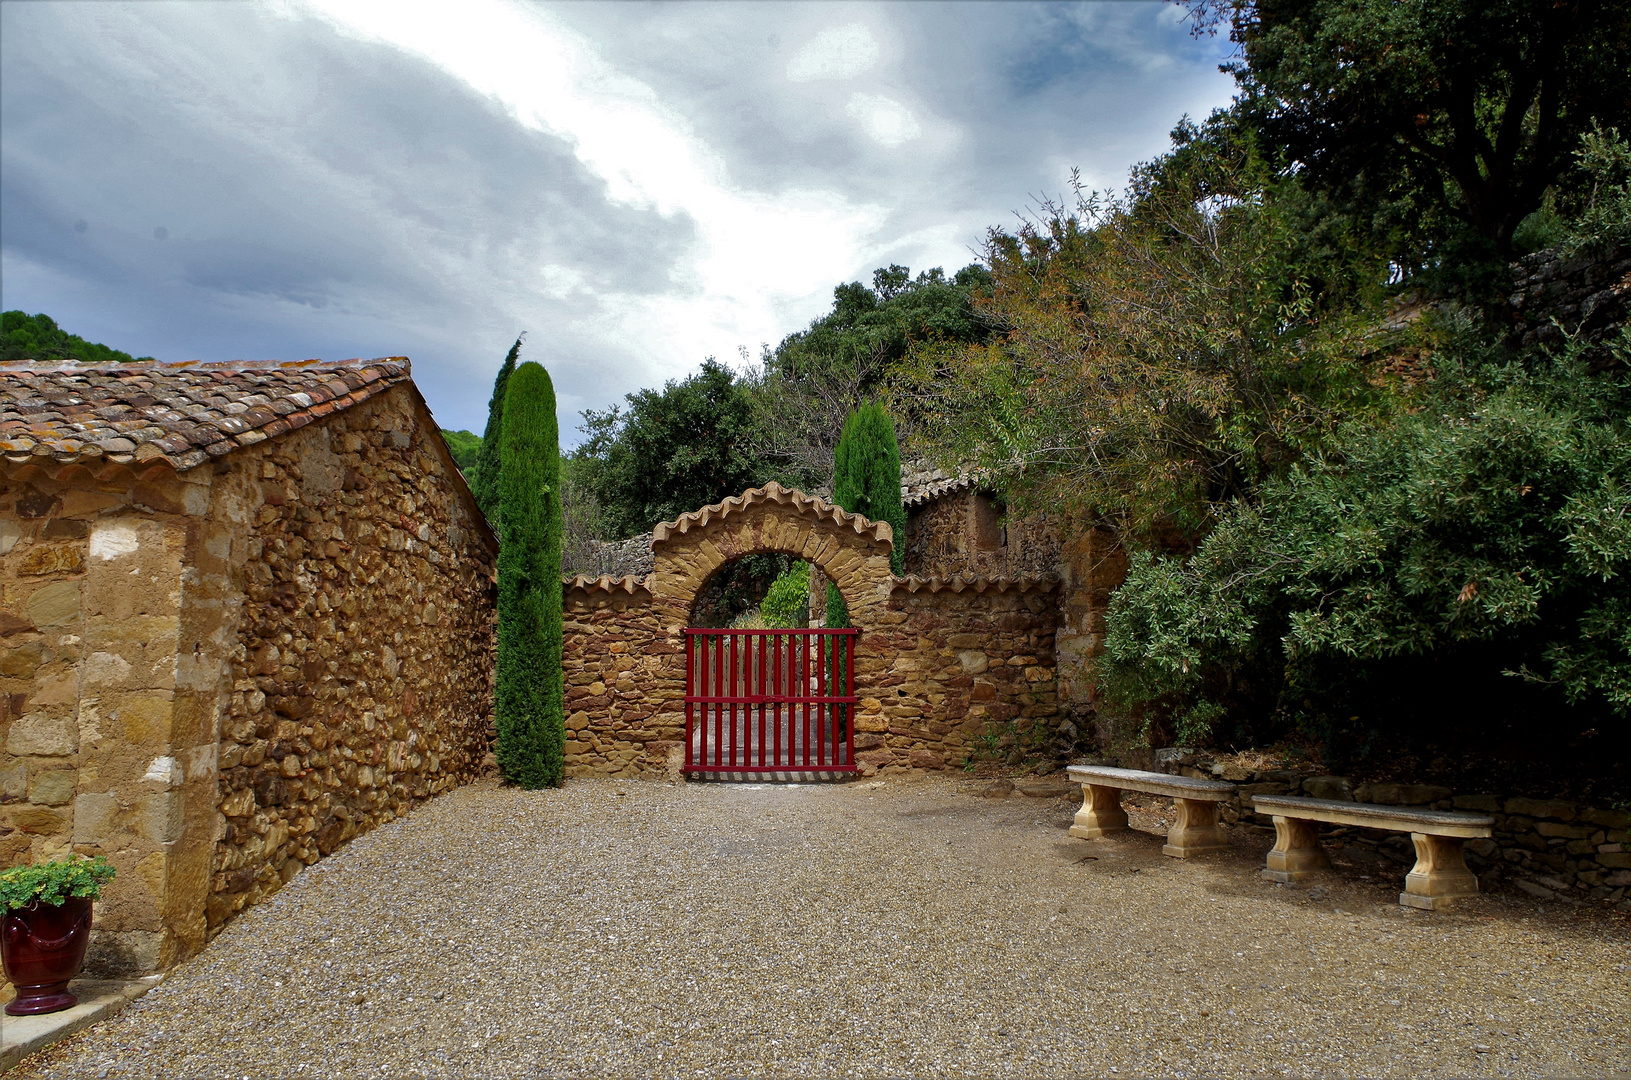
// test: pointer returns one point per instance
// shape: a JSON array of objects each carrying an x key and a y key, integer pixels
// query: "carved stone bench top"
[
  {"x": 1154, "y": 783},
  {"x": 1370, "y": 816}
]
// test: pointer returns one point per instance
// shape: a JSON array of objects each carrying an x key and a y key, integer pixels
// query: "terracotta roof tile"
[{"x": 182, "y": 413}]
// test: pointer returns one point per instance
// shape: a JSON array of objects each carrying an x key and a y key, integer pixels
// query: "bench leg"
[
  {"x": 1440, "y": 875},
  {"x": 1197, "y": 830},
  {"x": 1297, "y": 853},
  {"x": 1101, "y": 813}
]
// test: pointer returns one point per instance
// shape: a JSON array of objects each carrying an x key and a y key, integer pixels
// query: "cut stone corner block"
[
  {"x": 1101, "y": 813},
  {"x": 1298, "y": 853},
  {"x": 1440, "y": 876},
  {"x": 1197, "y": 830}
]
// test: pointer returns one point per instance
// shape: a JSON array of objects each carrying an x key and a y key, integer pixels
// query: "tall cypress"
[
  {"x": 866, "y": 480},
  {"x": 530, "y": 696},
  {"x": 485, "y": 487}
]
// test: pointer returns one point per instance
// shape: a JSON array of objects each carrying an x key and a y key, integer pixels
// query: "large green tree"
[
  {"x": 669, "y": 451},
  {"x": 808, "y": 384},
  {"x": 485, "y": 473},
  {"x": 1437, "y": 110},
  {"x": 530, "y": 694},
  {"x": 38, "y": 337}
]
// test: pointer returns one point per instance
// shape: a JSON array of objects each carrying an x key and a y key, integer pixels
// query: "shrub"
[
  {"x": 787, "y": 604},
  {"x": 531, "y": 724},
  {"x": 1465, "y": 570},
  {"x": 53, "y": 882}
]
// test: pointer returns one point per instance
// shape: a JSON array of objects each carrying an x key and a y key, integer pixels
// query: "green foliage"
[
  {"x": 465, "y": 447},
  {"x": 787, "y": 604},
  {"x": 530, "y": 694},
  {"x": 53, "y": 882},
  {"x": 484, "y": 475},
  {"x": 1440, "y": 112},
  {"x": 866, "y": 481},
  {"x": 808, "y": 384},
  {"x": 1161, "y": 354},
  {"x": 670, "y": 452},
  {"x": 38, "y": 337},
  {"x": 1464, "y": 567}
]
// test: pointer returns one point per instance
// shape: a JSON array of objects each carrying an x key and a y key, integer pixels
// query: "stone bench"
[
  {"x": 1197, "y": 829},
  {"x": 1440, "y": 874}
]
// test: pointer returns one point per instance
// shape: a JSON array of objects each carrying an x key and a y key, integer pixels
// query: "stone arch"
[{"x": 852, "y": 551}]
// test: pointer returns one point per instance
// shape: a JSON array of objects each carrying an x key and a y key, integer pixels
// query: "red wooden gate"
[{"x": 769, "y": 700}]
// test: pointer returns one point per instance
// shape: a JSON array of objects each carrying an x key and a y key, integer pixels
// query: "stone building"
[{"x": 246, "y": 613}]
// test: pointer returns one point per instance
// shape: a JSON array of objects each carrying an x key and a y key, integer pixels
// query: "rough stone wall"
[
  {"x": 949, "y": 663},
  {"x": 965, "y": 533},
  {"x": 115, "y": 595},
  {"x": 615, "y": 660},
  {"x": 1092, "y": 566},
  {"x": 212, "y": 677},
  {"x": 362, "y": 679},
  {"x": 937, "y": 661},
  {"x": 1589, "y": 294},
  {"x": 609, "y": 558}
]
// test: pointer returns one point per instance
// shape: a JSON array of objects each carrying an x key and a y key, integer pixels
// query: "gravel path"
[{"x": 864, "y": 929}]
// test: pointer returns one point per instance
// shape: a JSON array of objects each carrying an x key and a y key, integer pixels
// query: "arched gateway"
[{"x": 935, "y": 659}]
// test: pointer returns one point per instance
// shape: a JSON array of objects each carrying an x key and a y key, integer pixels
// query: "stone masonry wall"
[
  {"x": 362, "y": 679},
  {"x": 958, "y": 662},
  {"x": 616, "y": 681},
  {"x": 965, "y": 533},
  {"x": 945, "y": 662},
  {"x": 115, "y": 598},
  {"x": 1589, "y": 295}
]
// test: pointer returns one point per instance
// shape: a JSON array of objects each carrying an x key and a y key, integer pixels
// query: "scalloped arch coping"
[
  {"x": 851, "y": 550},
  {"x": 807, "y": 505}
]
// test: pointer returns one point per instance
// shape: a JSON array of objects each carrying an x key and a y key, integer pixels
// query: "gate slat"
[{"x": 753, "y": 704}]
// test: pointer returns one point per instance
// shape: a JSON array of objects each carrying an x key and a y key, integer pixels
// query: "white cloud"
[
  {"x": 561, "y": 281},
  {"x": 756, "y": 250},
  {"x": 840, "y": 53},
  {"x": 886, "y": 120}
]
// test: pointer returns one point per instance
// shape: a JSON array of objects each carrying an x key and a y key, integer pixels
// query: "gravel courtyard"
[{"x": 862, "y": 929}]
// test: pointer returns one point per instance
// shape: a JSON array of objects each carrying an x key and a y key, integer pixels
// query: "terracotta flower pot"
[{"x": 43, "y": 946}]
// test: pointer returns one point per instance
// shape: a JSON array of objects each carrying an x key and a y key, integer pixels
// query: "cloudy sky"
[{"x": 636, "y": 185}]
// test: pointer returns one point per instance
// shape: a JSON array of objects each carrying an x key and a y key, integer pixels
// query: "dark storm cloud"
[{"x": 323, "y": 193}]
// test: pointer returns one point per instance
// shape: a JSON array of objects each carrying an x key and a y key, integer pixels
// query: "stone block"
[
  {"x": 1568, "y": 832},
  {"x": 1543, "y": 808},
  {"x": 94, "y": 817},
  {"x": 56, "y": 604},
  {"x": 53, "y": 787},
  {"x": 44, "y": 821},
  {"x": 1488, "y": 804},
  {"x": 43, "y": 736},
  {"x": 1390, "y": 794},
  {"x": 1329, "y": 787},
  {"x": 1608, "y": 819}
]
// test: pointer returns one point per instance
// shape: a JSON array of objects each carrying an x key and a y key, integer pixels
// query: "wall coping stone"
[
  {"x": 807, "y": 505},
  {"x": 1025, "y": 583}
]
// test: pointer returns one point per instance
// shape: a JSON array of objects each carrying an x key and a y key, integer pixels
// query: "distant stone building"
[{"x": 246, "y": 613}]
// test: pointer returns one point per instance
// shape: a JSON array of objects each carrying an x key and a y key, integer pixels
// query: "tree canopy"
[
  {"x": 1450, "y": 111},
  {"x": 38, "y": 337}
]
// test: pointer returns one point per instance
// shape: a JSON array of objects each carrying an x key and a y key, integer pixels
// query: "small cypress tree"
[
  {"x": 530, "y": 697},
  {"x": 866, "y": 480},
  {"x": 484, "y": 476}
]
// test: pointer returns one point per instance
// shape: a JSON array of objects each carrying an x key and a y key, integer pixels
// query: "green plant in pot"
[{"x": 45, "y": 925}]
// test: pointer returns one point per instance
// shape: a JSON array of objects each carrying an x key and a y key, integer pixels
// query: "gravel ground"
[{"x": 862, "y": 929}]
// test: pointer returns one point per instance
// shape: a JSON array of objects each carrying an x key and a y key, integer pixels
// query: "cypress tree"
[
  {"x": 531, "y": 720},
  {"x": 485, "y": 473},
  {"x": 866, "y": 480}
]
